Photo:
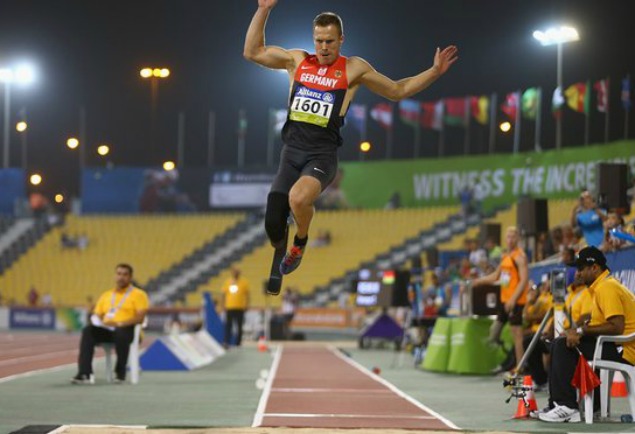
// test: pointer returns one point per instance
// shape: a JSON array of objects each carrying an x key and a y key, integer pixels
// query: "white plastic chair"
[
  {"x": 607, "y": 370},
  {"x": 133, "y": 356}
]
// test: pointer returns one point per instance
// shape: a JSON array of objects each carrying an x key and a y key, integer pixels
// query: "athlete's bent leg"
[
  {"x": 301, "y": 198},
  {"x": 276, "y": 217}
]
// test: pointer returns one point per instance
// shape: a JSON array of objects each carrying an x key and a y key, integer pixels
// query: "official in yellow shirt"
[
  {"x": 235, "y": 301},
  {"x": 116, "y": 313},
  {"x": 612, "y": 313}
]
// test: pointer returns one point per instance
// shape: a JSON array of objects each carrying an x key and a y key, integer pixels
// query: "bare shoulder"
[
  {"x": 355, "y": 63},
  {"x": 356, "y": 67},
  {"x": 298, "y": 55}
]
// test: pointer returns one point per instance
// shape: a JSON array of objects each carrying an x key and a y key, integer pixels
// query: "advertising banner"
[
  {"x": 152, "y": 190},
  {"x": 497, "y": 179},
  {"x": 35, "y": 318},
  {"x": 240, "y": 189}
]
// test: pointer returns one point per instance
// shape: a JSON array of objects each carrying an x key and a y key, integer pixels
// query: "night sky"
[{"x": 89, "y": 53}]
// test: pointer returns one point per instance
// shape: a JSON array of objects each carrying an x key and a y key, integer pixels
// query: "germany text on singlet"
[{"x": 318, "y": 91}]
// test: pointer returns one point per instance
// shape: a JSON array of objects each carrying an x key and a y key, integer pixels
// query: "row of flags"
[
  {"x": 458, "y": 111},
  {"x": 483, "y": 110}
]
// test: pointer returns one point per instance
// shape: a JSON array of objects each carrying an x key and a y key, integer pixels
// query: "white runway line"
[
  {"x": 379, "y": 379},
  {"x": 260, "y": 411},
  {"x": 36, "y": 372},
  {"x": 347, "y": 416}
]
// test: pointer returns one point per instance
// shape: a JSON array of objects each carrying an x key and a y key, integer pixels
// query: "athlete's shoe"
[
  {"x": 83, "y": 379},
  {"x": 560, "y": 414},
  {"x": 291, "y": 260}
]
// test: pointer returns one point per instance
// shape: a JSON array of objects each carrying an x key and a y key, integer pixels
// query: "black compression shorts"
[
  {"x": 515, "y": 317},
  {"x": 295, "y": 163}
]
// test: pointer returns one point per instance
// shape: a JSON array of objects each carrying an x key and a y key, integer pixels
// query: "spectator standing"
[
  {"x": 235, "y": 301},
  {"x": 589, "y": 217}
]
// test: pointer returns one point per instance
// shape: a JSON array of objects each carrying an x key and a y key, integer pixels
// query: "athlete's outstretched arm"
[
  {"x": 404, "y": 88},
  {"x": 255, "y": 48}
]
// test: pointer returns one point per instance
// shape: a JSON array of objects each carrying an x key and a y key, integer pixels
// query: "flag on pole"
[
  {"x": 584, "y": 378},
  {"x": 510, "y": 105},
  {"x": 602, "y": 91},
  {"x": 357, "y": 117},
  {"x": 409, "y": 112},
  {"x": 479, "y": 106},
  {"x": 432, "y": 115},
  {"x": 529, "y": 103},
  {"x": 626, "y": 93},
  {"x": 382, "y": 113},
  {"x": 557, "y": 102},
  {"x": 578, "y": 97},
  {"x": 455, "y": 112}
]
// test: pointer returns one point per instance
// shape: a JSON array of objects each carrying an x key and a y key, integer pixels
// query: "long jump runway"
[{"x": 319, "y": 387}]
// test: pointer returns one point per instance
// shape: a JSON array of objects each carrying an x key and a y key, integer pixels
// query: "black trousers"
[
  {"x": 535, "y": 366},
  {"x": 234, "y": 316},
  {"x": 122, "y": 338},
  {"x": 563, "y": 363}
]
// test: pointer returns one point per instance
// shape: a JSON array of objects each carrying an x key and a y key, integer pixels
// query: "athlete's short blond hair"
[{"x": 327, "y": 18}]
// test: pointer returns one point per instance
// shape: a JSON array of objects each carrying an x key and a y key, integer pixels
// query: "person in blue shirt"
[{"x": 590, "y": 218}]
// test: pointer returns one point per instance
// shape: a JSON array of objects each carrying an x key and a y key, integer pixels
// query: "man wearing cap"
[{"x": 613, "y": 313}]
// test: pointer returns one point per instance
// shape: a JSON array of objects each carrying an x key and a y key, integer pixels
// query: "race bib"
[
  {"x": 312, "y": 106},
  {"x": 505, "y": 278}
]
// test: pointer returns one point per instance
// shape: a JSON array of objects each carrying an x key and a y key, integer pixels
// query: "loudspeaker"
[
  {"x": 611, "y": 185},
  {"x": 531, "y": 216},
  {"x": 485, "y": 300},
  {"x": 490, "y": 230}
]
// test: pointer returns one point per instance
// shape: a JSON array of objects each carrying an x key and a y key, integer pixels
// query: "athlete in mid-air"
[{"x": 322, "y": 86}]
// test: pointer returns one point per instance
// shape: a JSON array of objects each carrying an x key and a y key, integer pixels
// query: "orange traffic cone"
[
  {"x": 618, "y": 389},
  {"x": 262, "y": 344},
  {"x": 522, "y": 411}
]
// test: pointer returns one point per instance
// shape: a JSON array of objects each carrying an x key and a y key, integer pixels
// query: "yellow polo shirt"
[
  {"x": 579, "y": 302},
  {"x": 124, "y": 309},
  {"x": 541, "y": 306},
  {"x": 236, "y": 293},
  {"x": 611, "y": 298}
]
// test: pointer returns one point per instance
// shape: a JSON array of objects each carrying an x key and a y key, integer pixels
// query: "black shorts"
[
  {"x": 515, "y": 318},
  {"x": 295, "y": 163}
]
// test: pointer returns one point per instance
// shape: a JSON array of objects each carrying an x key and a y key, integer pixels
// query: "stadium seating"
[
  {"x": 149, "y": 243},
  {"x": 357, "y": 236}
]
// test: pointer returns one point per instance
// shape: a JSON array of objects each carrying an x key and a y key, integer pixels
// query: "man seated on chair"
[
  {"x": 113, "y": 321},
  {"x": 612, "y": 313}
]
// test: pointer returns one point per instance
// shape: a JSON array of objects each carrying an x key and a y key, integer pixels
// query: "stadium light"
[
  {"x": 557, "y": 36},
  {"x": 72, "y": 143},
  {"x": 35, "y": 179},
  {"x": 21, "y": 127},
  {"x": 103, "y": 150},
  {"x": 20, "y": 74},
  {"x": 155, "y": 75}
]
